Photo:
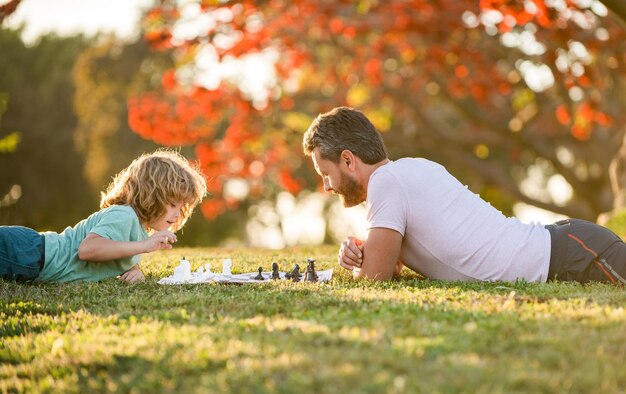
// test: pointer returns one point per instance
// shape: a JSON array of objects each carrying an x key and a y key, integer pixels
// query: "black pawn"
[
  {"x": 260, "y": 275},
  {"x": 275, "y": 272},
  {"x": 295, "y": 273}
]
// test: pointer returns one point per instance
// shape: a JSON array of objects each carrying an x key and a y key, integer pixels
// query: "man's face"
[{"x": 338, "y": 180}]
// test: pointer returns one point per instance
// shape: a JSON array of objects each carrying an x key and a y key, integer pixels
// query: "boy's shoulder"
[
  {"x": 117, "y": 210},
  {"x": 111, "y": 220}
]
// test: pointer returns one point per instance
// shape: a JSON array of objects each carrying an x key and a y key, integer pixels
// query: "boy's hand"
[
  {"x": 351, "y": 253},
  {"x": 133, "y": 275},
  {"x": 161, "y": 240}
]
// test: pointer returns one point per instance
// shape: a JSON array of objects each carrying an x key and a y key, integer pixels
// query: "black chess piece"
[
  {"x": 295, "y": 273},
  {"x": 275, "y": 272},
  {"x": 311, "y": 267},
  {"x": 260, "y": 275},
  {"x": 310, "y": 275}
]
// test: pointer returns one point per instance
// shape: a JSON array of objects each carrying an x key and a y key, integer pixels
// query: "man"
[{"x": 422, "y": 217}]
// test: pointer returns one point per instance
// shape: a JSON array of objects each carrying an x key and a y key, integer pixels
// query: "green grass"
[{"x": 409, "y": 335}]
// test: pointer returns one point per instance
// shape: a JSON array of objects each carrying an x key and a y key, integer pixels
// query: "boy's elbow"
[{"x": 85, "y": 252}]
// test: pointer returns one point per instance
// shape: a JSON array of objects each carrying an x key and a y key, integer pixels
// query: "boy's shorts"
[
  {"x": 22, "y": 253},
  {"x": 583, "y": 251}
]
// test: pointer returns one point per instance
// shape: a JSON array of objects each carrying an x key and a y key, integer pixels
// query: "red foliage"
[
  {"x": 8, "y": 8},
  {"x": 562, "y": 115},
  {"x": 404, "y": 52}
]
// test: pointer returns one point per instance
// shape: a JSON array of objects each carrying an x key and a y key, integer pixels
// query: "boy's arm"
[
  {"x": 97, "y": 248},
  {"x": 375, "y": 258}
]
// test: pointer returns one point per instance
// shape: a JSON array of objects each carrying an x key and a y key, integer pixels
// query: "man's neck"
[
  {"x": 373, "y": 167},
  {"x": 370, "y": 168}
]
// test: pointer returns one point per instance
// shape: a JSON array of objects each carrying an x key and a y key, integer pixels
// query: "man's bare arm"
[{"x": 381, "y": 253}]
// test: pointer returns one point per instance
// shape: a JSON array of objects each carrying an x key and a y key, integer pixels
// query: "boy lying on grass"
[{"x": 140, "y": 211}]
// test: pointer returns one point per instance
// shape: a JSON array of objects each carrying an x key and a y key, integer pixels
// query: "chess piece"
[
  {"x": 275, "y": 272},
  {"x": 227, "y": 265},
  {"x": 311, "y": 267},
  {"x": 204, "y": 274},
  {"x": 260, "y": 275},
  {"x": 182, "y": 273},
  {"x": 295, "y": 273},
  {"x": 310, "y": 275}
]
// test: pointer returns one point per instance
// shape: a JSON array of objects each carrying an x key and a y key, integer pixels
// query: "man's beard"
[{"x": 350, "y": 191}]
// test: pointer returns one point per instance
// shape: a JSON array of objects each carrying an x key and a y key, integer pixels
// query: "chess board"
[{"x": 195, "y": 277}]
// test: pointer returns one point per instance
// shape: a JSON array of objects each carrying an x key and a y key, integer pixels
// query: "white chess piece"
[
  {"x": 204, "y": 274},
  {"x": 182, "y": 273},
  {"x": 227, "y": 265}
]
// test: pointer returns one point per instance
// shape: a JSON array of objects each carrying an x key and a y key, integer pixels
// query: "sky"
[{"x": 68, "y": 17}]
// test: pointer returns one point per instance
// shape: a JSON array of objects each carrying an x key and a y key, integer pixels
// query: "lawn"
[{"x": 345, "y": 336}]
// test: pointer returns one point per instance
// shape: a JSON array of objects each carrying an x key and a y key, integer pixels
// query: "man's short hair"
[{"x": 344, "y": 128}]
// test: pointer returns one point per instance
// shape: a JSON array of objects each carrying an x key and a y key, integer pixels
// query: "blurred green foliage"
[
  {"x": 37, "y": 80},
  {"x": 8, "y": 143}
]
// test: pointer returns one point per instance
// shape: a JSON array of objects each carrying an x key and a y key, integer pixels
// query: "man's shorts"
[{"x": 583, "y": 251}]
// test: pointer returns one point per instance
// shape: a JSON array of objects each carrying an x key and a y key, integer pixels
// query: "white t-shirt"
[{"x": 449, "y": 232}]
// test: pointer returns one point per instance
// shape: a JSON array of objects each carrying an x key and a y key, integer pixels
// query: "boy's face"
[{"x": 171, "y": 215}]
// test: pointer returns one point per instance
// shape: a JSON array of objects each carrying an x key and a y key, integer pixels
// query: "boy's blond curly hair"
[{"x": 154, "y": 180}]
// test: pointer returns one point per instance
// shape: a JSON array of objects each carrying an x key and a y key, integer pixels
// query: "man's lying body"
[{"x": 421, "y": 216}]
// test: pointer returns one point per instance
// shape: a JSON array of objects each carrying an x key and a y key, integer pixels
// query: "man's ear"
[{"x": 347, "y": 159}]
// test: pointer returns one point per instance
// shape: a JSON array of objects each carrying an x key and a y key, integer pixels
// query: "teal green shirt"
[{"x": 117, "y": 223}]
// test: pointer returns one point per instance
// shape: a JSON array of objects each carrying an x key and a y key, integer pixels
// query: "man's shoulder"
[
  {"x": 415, "y": 162},
  {"x": 408, "y": 167},
  {"x": 409, "y": 163}
]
